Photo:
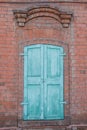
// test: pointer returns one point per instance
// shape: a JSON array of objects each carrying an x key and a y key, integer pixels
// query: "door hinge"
[
  {"x": 24, "y": 103},
  {"x": 64, "y": 54},
  {"x": 63, "y": 102},
  {"x": 23, "y": 54}
]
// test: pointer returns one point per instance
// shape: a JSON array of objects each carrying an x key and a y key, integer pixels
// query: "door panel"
[
  {"x": 33, "y": 81},
  {"x": 34, "y": 106},
  {"x": 53, "y": 82},
  {"x": 34, "y": 62},
  {"x": 53, "y": 62},
  {"x": 43, "y": 82},
  {"x": 52, "y": 101}
]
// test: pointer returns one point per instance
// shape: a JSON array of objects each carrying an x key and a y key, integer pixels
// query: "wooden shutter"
[
  {"x": 33, "y": 82},
  {"x": 43, "y": 82},
  {"x": 53, "y": 82}
]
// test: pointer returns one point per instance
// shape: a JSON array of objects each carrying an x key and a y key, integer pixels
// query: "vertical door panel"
[
  {"x": 52, "y": 101},
  {"x": 34, "y": 99},
  {"x": 34, "y": 62},
  {"x": 53, "y": 62},
  {"x": 33, "y": 78},
  {"x": 53, "y": 76}
]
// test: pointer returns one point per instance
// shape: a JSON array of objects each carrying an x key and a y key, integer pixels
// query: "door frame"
[{"x": 67, "y": 115}]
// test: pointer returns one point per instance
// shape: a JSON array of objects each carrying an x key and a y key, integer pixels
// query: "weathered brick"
[{"x": 43, "y": 30}]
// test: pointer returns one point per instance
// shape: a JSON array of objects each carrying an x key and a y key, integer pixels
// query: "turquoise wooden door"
[
  {"x": 53, "y": 82},
  {"x": 43, "y": 82}
]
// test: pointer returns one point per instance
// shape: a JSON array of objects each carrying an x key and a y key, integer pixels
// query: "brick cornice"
[{"x": 23, "y": 16}]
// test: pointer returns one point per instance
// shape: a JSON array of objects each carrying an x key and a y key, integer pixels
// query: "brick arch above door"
[{"x": 24, "y": 16}]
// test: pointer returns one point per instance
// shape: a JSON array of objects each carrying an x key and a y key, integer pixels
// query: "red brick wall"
[
  {"x": 48, "y": 31},
  {"x": 78, "y": 54},
  {"x": 8, "y": 67}
]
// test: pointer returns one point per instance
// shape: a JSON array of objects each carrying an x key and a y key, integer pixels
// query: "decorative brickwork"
[{"x": 23, "y": 16}]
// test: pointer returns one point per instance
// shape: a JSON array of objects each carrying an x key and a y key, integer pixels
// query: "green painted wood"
[
  {"x": 43, "y": 82},
  {"x": 53, "y": 76},
  {"x": 33, "y": 86},
  {"x": 25, "y": 87}
]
